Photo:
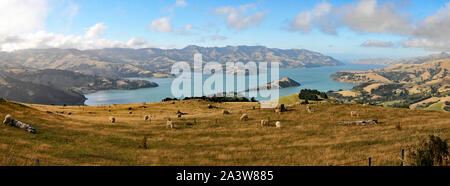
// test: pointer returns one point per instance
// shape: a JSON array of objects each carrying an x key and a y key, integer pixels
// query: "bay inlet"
[{"x": 311, "y": 78}]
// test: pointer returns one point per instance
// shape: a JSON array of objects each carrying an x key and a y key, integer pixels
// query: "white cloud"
[
  {"x": 363, "y": 16},
  {"x": 216, "y": 37},
  {"x": 443, "y": 45},
  {"x": 369, "y": 16},
  {"x": 186, "y": 30},
  {"x": 239, "y": 18},
  {"x": 90, "y": 40},
  {"x": 162, "y": 24},
  {"x": 302, "y": 22},
  {"x": 22, "y": 16},
  {"x": 432, "y": 33},
  {"x": 372, "y": 16},
  {"x": 137, "y": 43},
  {"x": 376, "y": 43},
  {"x": 180, "y": 3},
  {"x": 72, "y": 10},
  {"x": 95, "y": 31}
]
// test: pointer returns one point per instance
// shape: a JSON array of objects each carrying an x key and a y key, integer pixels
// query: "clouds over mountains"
[
  {"x": 23, "y": 24},
  {"x": 372, "y": 16}
]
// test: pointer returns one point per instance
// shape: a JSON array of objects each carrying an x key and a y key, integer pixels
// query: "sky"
[{"x": 344, "y": 29}]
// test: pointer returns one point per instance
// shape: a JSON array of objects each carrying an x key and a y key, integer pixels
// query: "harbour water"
[{"x": 311, "y": 78}]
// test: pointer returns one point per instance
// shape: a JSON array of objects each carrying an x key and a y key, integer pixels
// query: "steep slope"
[
  {"x": 62, "y": 79},
  {"x": 27, "y": 92}
]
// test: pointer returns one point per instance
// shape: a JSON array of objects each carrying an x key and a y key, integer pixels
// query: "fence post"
[
  {"x": 370, "y": 161},
  {"x": 37, "y": 162},
  {"x": 403, "y": 156}
]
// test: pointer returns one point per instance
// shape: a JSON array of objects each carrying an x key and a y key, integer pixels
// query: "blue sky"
[{"x": 345, "y": 29}]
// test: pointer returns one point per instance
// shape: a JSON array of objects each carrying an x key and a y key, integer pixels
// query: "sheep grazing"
[
  {"x": 244, "y": 117},
  {"x": 69, "y": 113},
  {"x": 131, "y": 112},
  {"x": 354, "y": 113},
  {"x": 278, "y": 124},
  {"x": 278, "y": 111},
  {"x": 309, "y": 109},
  {"x": 112, "y": 119},
  {"x": 15, "y": 123},
  {"x": 129, "y": 108},
  {"x": 211, "y": 106},
  {"x": 8, "y": 119},
  {"x": 170, "y": 124},
  {"x": 225, "y": 112},
  {"x": 264, "y": 123},
  {"x": 146, "y": 118}
]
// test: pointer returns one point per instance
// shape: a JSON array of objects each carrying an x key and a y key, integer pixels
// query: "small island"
[{"x": 277, "y": 84}]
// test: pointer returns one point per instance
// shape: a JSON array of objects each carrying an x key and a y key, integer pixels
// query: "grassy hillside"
[
  {"x": 401, "y": 84},
  {"x": 207, "y": 137}
]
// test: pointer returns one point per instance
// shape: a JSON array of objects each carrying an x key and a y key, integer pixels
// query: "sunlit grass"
[{"x": 207, "y": 137}]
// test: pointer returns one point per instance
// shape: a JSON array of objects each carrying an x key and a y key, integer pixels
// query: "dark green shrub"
[
  {"x": 312, "y": 95},
  {"x": 430, "y": 153}
]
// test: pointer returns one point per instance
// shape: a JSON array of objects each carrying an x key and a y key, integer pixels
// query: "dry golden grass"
[{"x": 88, "y": 138}]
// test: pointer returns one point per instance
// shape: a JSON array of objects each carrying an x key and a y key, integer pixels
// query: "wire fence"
[
  {"x": 11, "y": 159},
  {"x": 372, "y": 159}
]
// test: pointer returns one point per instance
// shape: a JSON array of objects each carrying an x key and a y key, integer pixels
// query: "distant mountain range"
[
  {"x": 155, "y": 62},
  {"x": 410, "y": 60}
]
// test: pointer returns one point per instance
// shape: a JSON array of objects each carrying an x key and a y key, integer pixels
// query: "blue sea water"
[{"x": 311, "y": 78}]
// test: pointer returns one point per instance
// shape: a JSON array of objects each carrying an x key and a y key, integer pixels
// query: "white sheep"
[
  {"x": 278, "y": 111},
  {"x": 354, "y": 113},
  {"x": 309, "y": 109},
  {"x": 244, "y": 117},
  {"x": 264, "y": 123},
  {"x": 278, "y": 124},
  {"x": 170, "y": 124},
  {"x": 112, "y": 119},
  {"x": 8, "y": 119}
]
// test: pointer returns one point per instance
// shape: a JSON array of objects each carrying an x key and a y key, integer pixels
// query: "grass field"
[
  {"x": 436, "y": 106},
  {"x": 207, "y": 137}
]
